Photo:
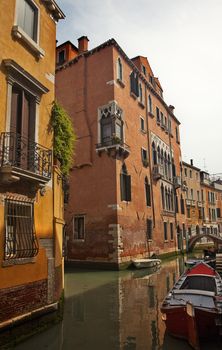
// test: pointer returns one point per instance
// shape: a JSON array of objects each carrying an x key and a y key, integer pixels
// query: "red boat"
[{"x": 193, "y": 308}]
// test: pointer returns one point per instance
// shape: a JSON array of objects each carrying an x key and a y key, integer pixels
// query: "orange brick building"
[
  {"x": 31, "y": 196},
  {"x": 125, "y": 197}
]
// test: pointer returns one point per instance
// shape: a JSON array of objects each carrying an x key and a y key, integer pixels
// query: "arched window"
[
  {"x": 161, "y": 157},
  {"x": 169, "y": 200},
  {"x": 111, "y": 124},
  {"x": 119, "y": 69},
  {"x": 147, "y": 192},
  {"x": 158, "y": 155},
  {"x": 163, "y": 196},
  {"x": 125, "y": 184},
  {"x": 172, "y": 201},
  {"x": 165, "y": 165},
  {"x": 166, "y": 199},
  {"x": 150, "y": 106},
  {"x": 169, "y": 166},
  {"x": 154, "y": 153}
]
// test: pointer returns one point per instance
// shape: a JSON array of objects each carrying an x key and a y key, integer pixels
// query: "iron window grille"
[
  {"x": 79, "y": 227},
  {"x": 20, "y": 236}
]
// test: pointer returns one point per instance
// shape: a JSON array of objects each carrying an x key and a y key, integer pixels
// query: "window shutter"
[
  {"x": 122, "y": 187},
  {"x": 128, "y": 188}
]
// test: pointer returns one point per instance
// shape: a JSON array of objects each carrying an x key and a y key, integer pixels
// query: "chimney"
[
  {"x": 191, "y": 162},
  {"x": 171, "y": 108},
  {"x": 83, "y": 44}
]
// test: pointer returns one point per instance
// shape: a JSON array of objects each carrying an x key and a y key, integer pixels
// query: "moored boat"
[
  {"x": 193, "y": 308},
  {"x": 145, "y": 263}
]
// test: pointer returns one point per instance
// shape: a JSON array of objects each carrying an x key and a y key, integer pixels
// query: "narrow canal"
[{"x": 114, "y": 311}]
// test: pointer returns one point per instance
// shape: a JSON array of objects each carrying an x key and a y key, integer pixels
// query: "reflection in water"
[{"x": 113, "y": 311}]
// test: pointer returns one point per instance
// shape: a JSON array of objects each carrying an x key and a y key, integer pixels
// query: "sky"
[{"x": 182, "y": 40}]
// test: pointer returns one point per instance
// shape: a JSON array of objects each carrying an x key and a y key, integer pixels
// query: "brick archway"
[{"x": 194, "y": 239}]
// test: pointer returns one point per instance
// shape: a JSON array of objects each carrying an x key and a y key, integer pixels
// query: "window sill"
[
  {"x": 150, "y": 240},
  {"x": 150, "y": 114},
  {"x": 133, "y": 95},
  {"x": 143, "y": 131},
  {"x": 166, "y": 241},
  {"x": 19, "y": 34},
  {"x": 141, "y": 104},
  {"x": 158, "y": 122},
  {"x": 18, "y": 261},
  {"x": 120, "y": 82},
  {"x": 145, "y": 163},
  {"x": 76, "y": 240}
]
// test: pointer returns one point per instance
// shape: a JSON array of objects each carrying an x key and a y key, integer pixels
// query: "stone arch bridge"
[{"x": 194, "y": 239}]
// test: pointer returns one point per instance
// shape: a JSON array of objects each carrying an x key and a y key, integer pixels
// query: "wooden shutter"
[
  {"x": 122, "y": 187},
  {"x": 128, "y": 187},
  {"x": 15, "y": 111}
]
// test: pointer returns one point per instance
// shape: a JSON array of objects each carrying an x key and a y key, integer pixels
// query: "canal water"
[{"x": 114, "y": 311}]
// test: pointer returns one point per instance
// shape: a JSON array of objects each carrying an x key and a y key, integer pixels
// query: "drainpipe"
[
  {"x": 149, "y": 155},
  {"x": 86, "y": 107}
]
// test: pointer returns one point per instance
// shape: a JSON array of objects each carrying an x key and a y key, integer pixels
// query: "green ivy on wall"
[{"x": 64, "y": 137}]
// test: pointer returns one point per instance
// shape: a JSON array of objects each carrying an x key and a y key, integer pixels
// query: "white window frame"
[{"x": 20, "y": 34}]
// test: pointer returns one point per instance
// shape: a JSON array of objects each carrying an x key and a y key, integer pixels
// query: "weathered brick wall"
[{"x": 19, "y": 300}]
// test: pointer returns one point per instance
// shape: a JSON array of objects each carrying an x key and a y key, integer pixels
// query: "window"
[
  {"x": 218, "y": 213},
  {"x": 28, "y": 18},
  {"x": 144, "y": 157},
  {"x": 20, "y": 238},
  {"x": 147, "y": 192},
  {"x": 61, "y": 57},
  {"x": 144, "y": 69},
  {"x": 188, "y": 212},
  {"x": 142, "y": 124},
  {"x": 149, "y": 229},
  {"x": 125, "y": 185},
  {"x": 182, "y": 205},
  {"x": 154, "y": 153},
  {"x": 134, "y": 85},
  {"x": 157, "y": 115},
  {"x": 202, "y": 195},
  {"x": 19, "y": 143},
  {"x": 79, "y": 227},
  {"x": 150, "y": 105},
  {"x": 184, "y": 231},
  {"x": 111, "y": 124},
  {"x": 198, "y": 195},
  {"x": 163, "y": 197},
  {"x": 185, "y": 171},
  {"x": 190, "y": 173},
  {"x": 119, "y": 70},
  {"x": 140, "y": 93},
  {"x": 171, "y": 231},
  {"x": 176, "y": 204},
  {"x": 165, "y": 231},
  {"x": 191, "y": 193}
]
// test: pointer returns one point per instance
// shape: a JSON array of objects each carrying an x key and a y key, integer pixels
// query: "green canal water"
[{"x": 114, "y": 311}]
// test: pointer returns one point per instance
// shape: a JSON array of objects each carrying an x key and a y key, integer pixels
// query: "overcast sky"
[{"x": 182, "y": 40}]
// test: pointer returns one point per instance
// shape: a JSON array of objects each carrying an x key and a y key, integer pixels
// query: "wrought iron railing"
[
  {"x": 20, "y": 237},
  {"x": 24, "y": 153}
]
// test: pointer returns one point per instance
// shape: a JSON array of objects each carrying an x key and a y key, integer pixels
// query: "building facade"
[
  {"x": 126, "y": 199},
  {"x": 31, "y": 210}
]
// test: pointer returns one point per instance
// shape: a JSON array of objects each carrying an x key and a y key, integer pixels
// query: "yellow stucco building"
[{"x": 31, "y": 197}]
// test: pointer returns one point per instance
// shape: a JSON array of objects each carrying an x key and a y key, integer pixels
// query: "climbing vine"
[{"x": 64, "y": 137}]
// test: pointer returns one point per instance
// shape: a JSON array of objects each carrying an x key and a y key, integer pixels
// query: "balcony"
[
  {"x": 177, "y": 181},
  {"x": 200, "y": 204},
  {"x": 158, "y": 171},
  {"x": 114, "y": 147},
  {"x": 190, "y": 202},
  {"x": 22, "y": 158}
]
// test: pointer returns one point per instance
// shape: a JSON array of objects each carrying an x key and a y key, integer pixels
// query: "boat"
[
  {"x": 193, "y": 308},
  {"x": 191, "y": 262},
  {"x": 145, "y": 263}
]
